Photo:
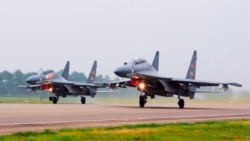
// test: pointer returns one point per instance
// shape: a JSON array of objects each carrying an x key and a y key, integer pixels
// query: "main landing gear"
[
  {"x": 54, "y": 99},
  {"x": 83, "y": 100},
  {"x": 181, "y": 103},
  {"x": 142, "y": 100}
]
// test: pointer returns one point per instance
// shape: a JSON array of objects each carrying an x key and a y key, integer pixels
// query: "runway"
[{"x": 36, "y": 117}]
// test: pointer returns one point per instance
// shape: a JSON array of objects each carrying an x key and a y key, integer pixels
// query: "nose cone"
[
  {"x": 123, "y": 71},
  {"x": 33, "y": 79}
]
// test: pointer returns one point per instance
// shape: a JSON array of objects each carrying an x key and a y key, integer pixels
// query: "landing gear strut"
[
  {"x": 142, "y": 100},
  {"x": 181, "y": 102},
  {"x": 83, "y": 100},
  {"x": 54, "y": 99}
]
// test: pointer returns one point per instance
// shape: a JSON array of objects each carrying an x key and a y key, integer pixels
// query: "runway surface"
[{"x": 36, "y": 117}]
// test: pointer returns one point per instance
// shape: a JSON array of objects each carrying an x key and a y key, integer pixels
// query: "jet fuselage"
[{"x": 152, "y": 87}]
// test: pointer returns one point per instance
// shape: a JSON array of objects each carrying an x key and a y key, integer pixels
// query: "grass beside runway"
[{"x": 212, "y": 130}]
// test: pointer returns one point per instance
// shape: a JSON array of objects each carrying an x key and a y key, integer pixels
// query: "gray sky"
[{"x": 46, "y": 33}]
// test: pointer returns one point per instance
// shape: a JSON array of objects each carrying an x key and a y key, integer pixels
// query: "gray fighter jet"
[
  {"x": 149, "y": 82},
  {"x": 61, "y": 86}
]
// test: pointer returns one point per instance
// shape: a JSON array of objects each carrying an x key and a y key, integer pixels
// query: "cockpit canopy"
[
  {"x": 45, "y": 72},
  {"x": 135, "y": 61}
]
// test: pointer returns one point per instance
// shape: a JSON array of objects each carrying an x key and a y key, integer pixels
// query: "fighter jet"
[
  {"x": 149, "y": 82},
  {"x": 61, "y": 86}
]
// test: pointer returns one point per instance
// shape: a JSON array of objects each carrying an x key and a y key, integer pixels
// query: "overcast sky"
[{"x": 45, "y": 34}]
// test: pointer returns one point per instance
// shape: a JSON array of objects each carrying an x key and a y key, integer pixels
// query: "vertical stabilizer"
[
  {"x": 192, "y": 67},
  {"x": 155, "y": 63},
  {"x": 65, "y": 73},
  {"x": 92, "y": 74}
]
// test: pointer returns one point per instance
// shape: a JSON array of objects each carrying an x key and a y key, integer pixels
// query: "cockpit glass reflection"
[
  {"x": 135, "y": 61},
  {"x": 45, "y": 72}
]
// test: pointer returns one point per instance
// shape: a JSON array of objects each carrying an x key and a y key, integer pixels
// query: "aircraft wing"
[
  {"x": 97, "y": 85},
  {"x": 188, "y": 82},
  {"x": 192, "y": 82}
]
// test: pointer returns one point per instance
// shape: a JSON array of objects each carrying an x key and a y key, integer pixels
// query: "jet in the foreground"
[
  {"x": 149, "y": 82},
  {"x": 61, "y": 86}
]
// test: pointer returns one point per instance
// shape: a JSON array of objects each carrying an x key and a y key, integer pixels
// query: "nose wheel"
[{"x": 142, "y": 100}]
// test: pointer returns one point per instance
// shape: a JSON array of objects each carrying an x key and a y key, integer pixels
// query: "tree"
[
  {"x": 99, "y": 78},
  {"x": 107, "y": 78},
  {"x": 7, "y": 76},
  {"x": 78, "y": 77},
  {"x": 18, "y": 76}
]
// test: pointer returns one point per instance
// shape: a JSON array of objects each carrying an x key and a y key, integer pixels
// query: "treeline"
[{"x": 9, "y": 82}]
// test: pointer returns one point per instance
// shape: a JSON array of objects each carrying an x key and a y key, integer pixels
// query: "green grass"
[{"x": 212, "y": 130}]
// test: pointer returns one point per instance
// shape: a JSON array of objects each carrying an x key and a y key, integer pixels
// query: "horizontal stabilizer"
[
  {"x": 23, "y": 86},
  {"x": 111, "y": 91},
  {"x": 28, "y": 86},
  {"x": 198, "y": 91},
  {"x": 235, "y": 84}
]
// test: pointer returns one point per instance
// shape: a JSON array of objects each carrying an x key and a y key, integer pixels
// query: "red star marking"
[{"x": 192, "y": 66}]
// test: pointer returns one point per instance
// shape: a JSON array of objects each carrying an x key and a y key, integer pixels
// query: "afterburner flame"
[
  {"x": 142, "y": 86},
  {"x": 50, "y": 90}
]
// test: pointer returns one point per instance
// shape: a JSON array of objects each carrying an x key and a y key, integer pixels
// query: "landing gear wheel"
[
  {"x": 181, "y": 103},
  {"x": 51, "y": 98},
  {"x": 142, "y": 100},
  {"x": 55, "y": 99},
  {"x": 83, "y": 100}
]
